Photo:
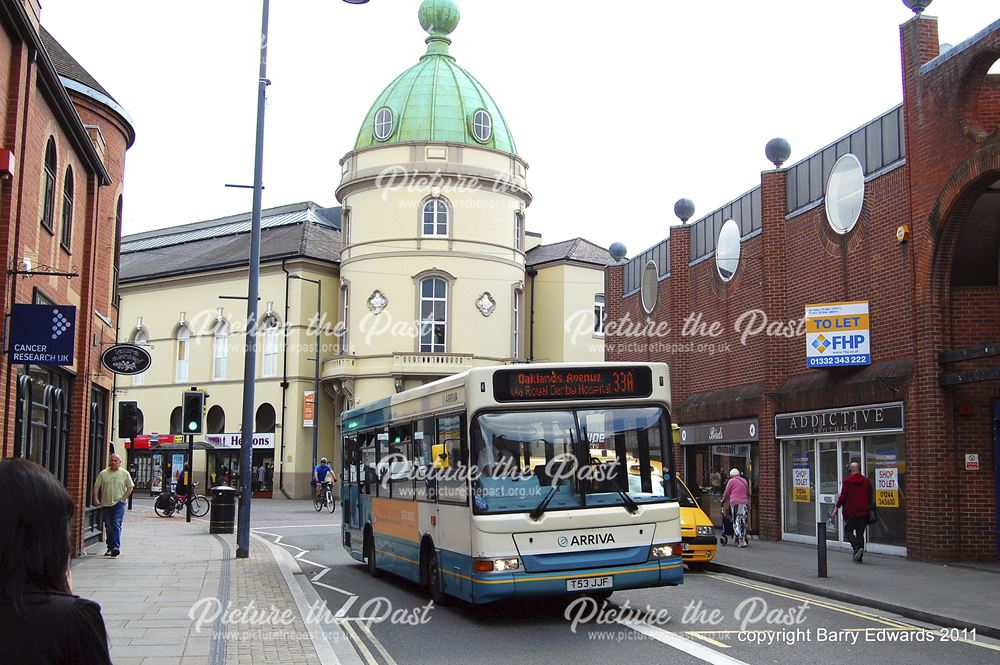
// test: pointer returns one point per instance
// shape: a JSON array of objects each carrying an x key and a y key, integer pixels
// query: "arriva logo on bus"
[{"x": 586, "y": 539}]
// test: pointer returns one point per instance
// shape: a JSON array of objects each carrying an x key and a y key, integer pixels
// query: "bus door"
[{"x": 350, "y": 481}]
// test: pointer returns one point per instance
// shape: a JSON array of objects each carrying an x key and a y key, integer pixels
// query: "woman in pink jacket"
[{"x": 737, "y": 498}]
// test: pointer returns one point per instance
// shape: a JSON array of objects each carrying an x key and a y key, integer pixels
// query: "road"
[{"x": 712, "y": 618}]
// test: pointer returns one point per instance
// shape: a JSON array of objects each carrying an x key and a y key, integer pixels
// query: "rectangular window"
[
  {"x": 270, "y": 364},
  {"x": 453, "y": 487},
  {"x": 599, "y": 314},
  {"x": 518, "y": 229},
  {"x": 433, "y": 315},
  {"x": 516, "y": 324},
  {"x": 345, "y": 295},
  {"x": 220, "y": 356},
  {"x": 182, "y": 360}
]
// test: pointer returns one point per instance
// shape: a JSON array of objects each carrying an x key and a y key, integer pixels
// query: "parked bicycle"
[
  {"x": 325, "y": 499},
  {"x": 169, "y": 503}
]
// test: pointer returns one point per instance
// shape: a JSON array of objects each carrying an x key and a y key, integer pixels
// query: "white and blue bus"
[{"x": 521, "y": 480}]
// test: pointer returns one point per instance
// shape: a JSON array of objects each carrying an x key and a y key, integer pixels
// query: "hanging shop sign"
[
  {"x": 126, "y": 359},
  {"x": 837, "y": 335}
]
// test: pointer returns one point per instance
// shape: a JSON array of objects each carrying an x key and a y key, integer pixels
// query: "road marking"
[
  {"x": 819, "y": 603},
  {"x": 263, "y": 533},
  {"x": 320, "y": 574},
  {"x": 342, "y": 612},
  {"x": 277, "y": 540},
  {"x": 690, "y": 647},
  {"x": 359, "y": 644},
  {"x": 298, "y": 526},
  {"x": 378, "y": 645},
  {"x": 333, "y": 588}
]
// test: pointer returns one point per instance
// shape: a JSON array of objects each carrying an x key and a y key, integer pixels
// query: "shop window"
[
  {"x": 885, "y": 461},
  {"x": 799, "y": 473}
]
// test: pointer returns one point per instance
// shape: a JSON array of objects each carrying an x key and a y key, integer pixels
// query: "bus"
[{"x": 517, "y": 481}]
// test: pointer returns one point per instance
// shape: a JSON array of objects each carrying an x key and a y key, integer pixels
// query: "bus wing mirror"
[{"x": 439, "y": 452}]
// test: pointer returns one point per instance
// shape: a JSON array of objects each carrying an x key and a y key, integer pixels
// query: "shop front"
[
  {"x": 710, "y": 451},
  {"x": 817, "y": 448},
  {"x": 224, "y": 465}
]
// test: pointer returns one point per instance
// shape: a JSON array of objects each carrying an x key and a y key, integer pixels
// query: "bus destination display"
[{"x": 572, "y": 383}]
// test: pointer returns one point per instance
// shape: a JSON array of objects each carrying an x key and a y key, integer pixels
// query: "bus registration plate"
[{"x": 586, "y": 583}]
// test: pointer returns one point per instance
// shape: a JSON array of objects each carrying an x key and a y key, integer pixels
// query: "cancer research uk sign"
[
  {"x": 42, "y": 334},
  {"x": 837, "y": 335}
]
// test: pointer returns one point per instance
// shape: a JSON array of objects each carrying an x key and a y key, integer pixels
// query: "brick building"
[
  {"x": 64, "y": 139},
  {"x": 725, "y": 308}
]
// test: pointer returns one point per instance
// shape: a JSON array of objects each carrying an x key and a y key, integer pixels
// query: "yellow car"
[{"x": 697, "y": 531}]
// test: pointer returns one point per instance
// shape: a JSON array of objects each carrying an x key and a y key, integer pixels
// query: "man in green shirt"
[{"x": 111, "y": 489}]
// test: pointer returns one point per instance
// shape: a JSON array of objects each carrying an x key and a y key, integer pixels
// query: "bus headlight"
[
  {"x": 497, "y": 565},
  {"x": 663, "y": 551},
  {"x": 706, "y": 531}
]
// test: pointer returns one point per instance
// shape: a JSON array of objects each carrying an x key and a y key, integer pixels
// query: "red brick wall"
[{"x": 914, "y": 313}]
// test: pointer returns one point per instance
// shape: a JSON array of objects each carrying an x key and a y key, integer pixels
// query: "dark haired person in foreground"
[{"x": 41, "y": 621}]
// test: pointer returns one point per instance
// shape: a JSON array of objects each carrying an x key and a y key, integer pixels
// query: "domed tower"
[{"x": 433, "y": 264}]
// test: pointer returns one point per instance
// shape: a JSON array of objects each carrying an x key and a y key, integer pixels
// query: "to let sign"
[{"x": 42, "y": 334}]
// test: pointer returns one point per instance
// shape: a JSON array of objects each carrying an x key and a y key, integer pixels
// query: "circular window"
[
  {"x": 482, "y": 126},
  {"x": 845, "y": 193},
  {"x": 649, "y": 283},
  {"x": 727, "y": 250},
  {"x": 383, "y": 123}
]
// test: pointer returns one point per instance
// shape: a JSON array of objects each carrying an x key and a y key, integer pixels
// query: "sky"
[{"x": 619, "y": 108}]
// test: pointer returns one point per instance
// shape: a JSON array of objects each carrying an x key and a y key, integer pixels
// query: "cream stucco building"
[{"x": 426, "y": 269}]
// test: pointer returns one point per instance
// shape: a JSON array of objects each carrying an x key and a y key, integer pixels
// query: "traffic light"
[
  {"x": 129, "y": 425},
  {"x": 192, "y": 412}
]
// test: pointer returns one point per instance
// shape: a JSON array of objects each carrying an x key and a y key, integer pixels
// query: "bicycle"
[
  {"x": 325, "y": 499},
  {"x": 169, "y": 503}
]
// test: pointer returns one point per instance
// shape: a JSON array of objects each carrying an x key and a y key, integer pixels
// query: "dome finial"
[{"x": 439, "y": 18}]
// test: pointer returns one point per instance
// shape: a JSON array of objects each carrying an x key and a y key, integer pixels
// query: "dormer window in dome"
[
  {"x": 482, "y": 126},
  {"x": 435, "y": 217},
  {"x": 383, "y": 123}
]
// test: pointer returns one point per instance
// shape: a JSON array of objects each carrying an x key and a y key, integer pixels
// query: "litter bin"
[{"x": 223, "y": 518}]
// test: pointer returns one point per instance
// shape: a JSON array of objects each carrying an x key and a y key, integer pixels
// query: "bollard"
[
  {"x": 223, "y": 517},
  {"x": 821, "y": 549}
]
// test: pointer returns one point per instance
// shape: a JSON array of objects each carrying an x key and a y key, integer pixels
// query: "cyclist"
[{"x": 321, "y": 474}]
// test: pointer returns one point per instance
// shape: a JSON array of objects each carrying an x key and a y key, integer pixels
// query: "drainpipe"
[
  {"x": 532, "y": 273},
  {"x": 284, "y": 386}
]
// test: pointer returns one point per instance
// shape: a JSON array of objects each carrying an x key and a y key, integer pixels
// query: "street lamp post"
[
  {"x": 319, "y": 314},
  {"x": 253, "y": 288}
]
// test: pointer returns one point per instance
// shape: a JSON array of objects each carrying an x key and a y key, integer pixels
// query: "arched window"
[
  {"x": 49, "y": 202},
  {"x": 265, "y": 419},
  {"x": 220, "y": 353},
  {"x": 140, "y": 338},
  {"x": 67, "y": 216},
  {"x": 435, "y": 222},
  {"x": 175, "y": 420},
  {"x": 433, "y": 315},
  {"x": 183, "y": 353},
  {"x": 270, "y": 333},
  {"x": 215, "y": 421}
]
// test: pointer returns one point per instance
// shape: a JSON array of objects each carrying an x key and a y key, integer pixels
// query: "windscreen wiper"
[
  {"x": 537, "y": 512},
  {"x": 630, "y": 505}
]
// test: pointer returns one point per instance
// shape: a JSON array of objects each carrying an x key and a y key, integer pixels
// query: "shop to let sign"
[
  {"x": 887, "y": 488},
  {"x": 800, "y": 494}
]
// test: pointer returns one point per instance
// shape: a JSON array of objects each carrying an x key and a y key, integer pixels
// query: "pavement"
[
  {"x": 960, "y": 595},
  {"x": 177, "y": 595}
]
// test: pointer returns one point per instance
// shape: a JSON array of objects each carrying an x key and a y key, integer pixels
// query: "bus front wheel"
[
  {"x": 435, "y": 581},
  {"x": 369, "y": 551}
]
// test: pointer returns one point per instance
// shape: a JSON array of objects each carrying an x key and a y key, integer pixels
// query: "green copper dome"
[{"x": 436, "y": 99}]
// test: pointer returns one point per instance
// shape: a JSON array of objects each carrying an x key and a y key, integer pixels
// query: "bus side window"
[
  {"x": 369, "y": 460},
  {"x": 423, "y": 442}
]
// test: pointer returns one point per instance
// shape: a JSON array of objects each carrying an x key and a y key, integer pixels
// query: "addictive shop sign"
[
  {"x": 837, "y": 335},
  {"x": 42, "y": 334},
  {"x": 877, "y": 418}
]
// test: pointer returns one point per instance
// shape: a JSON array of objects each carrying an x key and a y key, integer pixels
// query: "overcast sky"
[{"x": 619, "y": 108}]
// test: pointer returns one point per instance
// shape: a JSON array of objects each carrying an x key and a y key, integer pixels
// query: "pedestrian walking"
[
  {"x": 855, "y": 501},
  {"x": 736, "y": 499},
  {"x": 261, "y": 477},
  {"x": 111, "y": 489},
  {"x": 41, "y": 621},
  {"x": 269, "y": 476}
]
